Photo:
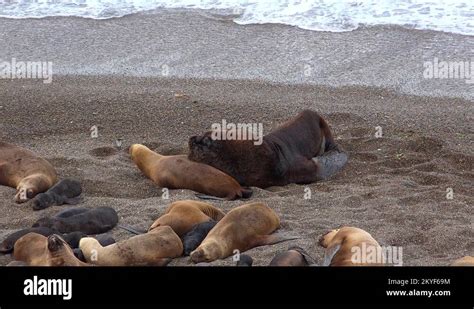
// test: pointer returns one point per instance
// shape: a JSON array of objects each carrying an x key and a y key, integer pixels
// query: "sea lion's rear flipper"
[
  {"x": 330, "y": 253},
  {"x": 209, "y": 197},
  {"x": 272, "y": 239},
  {"x": 73, "y": 200},
  {"x": 247, "y": 192},
  {"x": 131, "y": 229},
  {"x": 330, "y": 163}
]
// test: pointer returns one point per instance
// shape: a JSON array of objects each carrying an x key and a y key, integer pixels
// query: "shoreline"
[{"x": 193, "y": 45}]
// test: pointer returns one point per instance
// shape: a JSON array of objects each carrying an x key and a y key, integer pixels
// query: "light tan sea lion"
[
  {"x": 182, "y": 216},
  {"x": 465, "y": 261},
  {"x": 155, "y": 248},
  {"x": 23, "y": 170},
  {"x": 178, "y": 172},
  {"x": 342, "y": 244},
  {"x": 242, "y": 228},
  {"x": 38, "y": 250}
]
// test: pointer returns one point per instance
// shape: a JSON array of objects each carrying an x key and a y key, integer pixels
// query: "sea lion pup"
[
  {"x": 294, "y": 256},
  {"x": 155, "y": 248},
  {"x": 343, "y": 243},
  {"x": 244, "y": 260},
  {"x": 464, "y": 261},
  {"x": 242, "y": 228},
  {"x": 23, "y": 170},
  {"x": 193, "y": 238},
  {"x": 302, "y": 150},
  {"x": 182, "y": 216},
  {"x": 38, "y": 250},
  {"x": 8, "y": 244},
  {"x": 66, "y": 191},
  {"x": 178, "y": 172},
  {"x": 91, "y": 221}
]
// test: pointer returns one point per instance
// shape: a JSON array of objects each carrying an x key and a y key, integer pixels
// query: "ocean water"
[{"x": 456, "y": 16}]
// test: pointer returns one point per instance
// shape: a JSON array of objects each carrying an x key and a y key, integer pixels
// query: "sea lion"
[
  {"x": 9, "y": 242},
  {"x": 182, "y": 216},
  {"x": 302, "y": 150},
  {"x": 193, "y": 238},
  {"x": 155, "y": 248},
  {"x": 341, "y": 245},
  {"x": 66, "y": 191},
  {"x": 72, "y": 239},
  {"x": 242, "y": 228},
  {"x": 244, "y": 260},
  {"x": 91, "y": 221},
  {"x": 38, "y": 250},
  {"x": 23, "y": 170},
  {"x": 178, "y": 172},
  {"x": 103, "y": 239},
  {"x": 294, "y": 256},
  {"x": 464, "y": 261}
]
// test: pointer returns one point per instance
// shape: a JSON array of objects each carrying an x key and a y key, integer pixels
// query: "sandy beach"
[{"x": 109, "y": 74}]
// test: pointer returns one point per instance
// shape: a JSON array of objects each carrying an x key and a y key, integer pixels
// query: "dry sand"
[
  {"x": 394, "y": 186},
  {"x": 108, "y": 74}
]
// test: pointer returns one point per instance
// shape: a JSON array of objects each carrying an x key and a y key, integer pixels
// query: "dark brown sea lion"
[
  {"x": 155, "y": 248},
  {"x": 89, "y": 221},
  {"x": 38, "y": 250},
  {"x": 341, "y": 243},
  {"x": 294, "y": 256},
  {"x": 193, "y": 238},
  {"x": 302, "y": 151},
  {"x": 23, "y": 170},
  {"x": 178, "y": 172},
  {"x": 242, "y": 228},
  {"x": 66, "y": 191},
  {"x": 182, "y": 216}
]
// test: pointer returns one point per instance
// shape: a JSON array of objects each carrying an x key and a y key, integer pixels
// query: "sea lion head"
[
  {"x": 203, "y": 148},
  {"x": 47, "y": 222},
  {"x": 6, "y": 246},
  {"x": 206, "y": 252},
  {"x": 60, "y": 252},
  {"x": 42, "y": 201},
  {"x": 56, "y": 243},
  {"x": 326, "y": 239},
  {"x": 24, "y": 194}
]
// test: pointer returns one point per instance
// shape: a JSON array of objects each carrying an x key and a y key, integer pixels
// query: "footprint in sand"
[{"x": 103, "y": 152}]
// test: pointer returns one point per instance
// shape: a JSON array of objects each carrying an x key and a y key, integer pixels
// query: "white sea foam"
[{"x": 455, "y": 16}]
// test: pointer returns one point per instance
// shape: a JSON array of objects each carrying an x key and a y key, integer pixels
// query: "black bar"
[{"x": 241, "y": 285}]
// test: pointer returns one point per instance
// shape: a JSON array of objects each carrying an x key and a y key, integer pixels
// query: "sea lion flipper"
[
  {"x": 330, "y": 253},
  {"x": 209, "y": 197},
  {"x": 247, "y": 192},
  {"x": 330, "y": 163},
  {"x": 73, "y": 200},
  {"x": 272, "y": 239},
  {"x": 131, "y": 229}
]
